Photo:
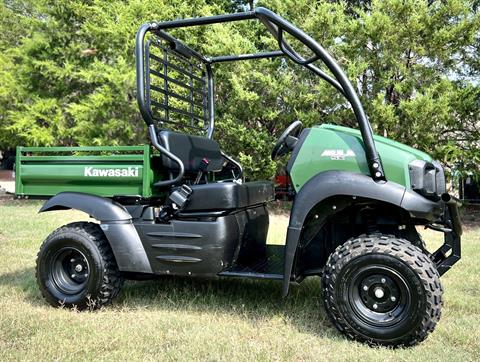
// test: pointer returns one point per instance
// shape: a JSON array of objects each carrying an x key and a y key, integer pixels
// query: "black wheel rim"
[
  {"x": 379, "y": 295},
  {"x": 70, "y": 270}
]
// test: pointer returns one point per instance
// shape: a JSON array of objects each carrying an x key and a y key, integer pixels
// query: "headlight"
[{"x": 427, "y": 178}]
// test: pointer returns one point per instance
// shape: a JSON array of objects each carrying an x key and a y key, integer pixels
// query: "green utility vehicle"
[{"x": 181, "y": 206}]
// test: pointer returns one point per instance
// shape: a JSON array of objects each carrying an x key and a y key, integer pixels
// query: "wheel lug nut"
[
  {"x": 72, "y": 260},
  {"x": 393, "y": 299},
  {"x": 85, "y": 275},
  {"x": 384, "y": 280},
  {"x": 73, "y": 276},
  {"x": 375, "y": 306},
  {"x": 365, "y": 288}
]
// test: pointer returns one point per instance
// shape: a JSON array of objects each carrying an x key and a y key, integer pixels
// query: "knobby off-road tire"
[
  {"x": 76, "y": 267},
  {"x": 382, "y": 290}
]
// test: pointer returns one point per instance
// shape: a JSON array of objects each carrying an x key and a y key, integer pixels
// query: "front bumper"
[{"x": 450, "y": 252}]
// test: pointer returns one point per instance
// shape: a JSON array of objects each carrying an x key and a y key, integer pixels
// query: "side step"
[
  {"x": 252, "y": 275},
  {"x": 269, "y": 268}
]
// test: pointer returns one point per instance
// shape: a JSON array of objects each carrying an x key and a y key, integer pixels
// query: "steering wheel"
[{"x": 287, "y": 141}]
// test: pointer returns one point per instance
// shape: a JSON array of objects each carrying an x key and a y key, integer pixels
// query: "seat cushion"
[
  {"x": 229, "y": 195},
  {"x": 191, "y": 150}
]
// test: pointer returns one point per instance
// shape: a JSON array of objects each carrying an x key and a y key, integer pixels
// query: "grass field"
[{"x": 224, "y": 320}]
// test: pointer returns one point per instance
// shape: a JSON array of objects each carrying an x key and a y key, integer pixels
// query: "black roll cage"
[{"x": 277, "y": 26}]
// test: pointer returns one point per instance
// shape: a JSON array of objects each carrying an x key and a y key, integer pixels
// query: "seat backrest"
[{"x": 191, "y": 150}]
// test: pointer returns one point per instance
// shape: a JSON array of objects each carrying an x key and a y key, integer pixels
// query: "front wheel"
[
  {"x": 76, "y": 267},
  {"x": 382, "y": 290}
]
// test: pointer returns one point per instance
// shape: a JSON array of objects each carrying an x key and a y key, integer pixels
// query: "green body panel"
[
  {"x": 329, "y": 147},
  {"x": 103, "y": 171},
  {"x": 126, "y": 170}
]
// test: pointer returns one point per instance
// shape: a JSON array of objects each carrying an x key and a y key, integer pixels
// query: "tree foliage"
[{"x": 67, "y": 73}]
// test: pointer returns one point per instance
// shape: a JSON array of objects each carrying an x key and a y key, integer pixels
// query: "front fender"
[
  {"x": 342, "y": 183},
  {"x": 115, "y": 222}
]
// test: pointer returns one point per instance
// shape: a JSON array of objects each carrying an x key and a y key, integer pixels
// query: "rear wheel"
[
  {"x": 382, "y": 290},
  {"x": 76, "y": 267}
]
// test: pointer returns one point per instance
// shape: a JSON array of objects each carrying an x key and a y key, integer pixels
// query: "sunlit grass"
[{"x": 182, "y": 319}]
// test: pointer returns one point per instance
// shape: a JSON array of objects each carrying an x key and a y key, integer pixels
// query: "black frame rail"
[
  {"x": 450, "y": 251},
  {"x": 278, "y": 27}
]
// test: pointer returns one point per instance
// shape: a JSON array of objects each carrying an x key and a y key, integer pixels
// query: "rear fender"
[
  {"x": 342, "y": 183},
  {"x": 115, "y": 222}
]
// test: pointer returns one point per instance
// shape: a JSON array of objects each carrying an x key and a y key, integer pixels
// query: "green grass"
[{"x": 185, "y": 319}]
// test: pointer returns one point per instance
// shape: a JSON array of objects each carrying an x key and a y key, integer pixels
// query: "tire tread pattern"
[
  {"x": 402, "y": 250},
  {"x": 112, "y": 278}
]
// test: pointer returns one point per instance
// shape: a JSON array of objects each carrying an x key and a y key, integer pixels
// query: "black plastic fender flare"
[
  {"x": 343, "y": 183},
  {"x": 115, "y": 222}
]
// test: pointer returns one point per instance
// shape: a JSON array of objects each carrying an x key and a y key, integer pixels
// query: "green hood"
[
  {"x": 379, "y": 139},
  {"x": 329, "y": 147}
]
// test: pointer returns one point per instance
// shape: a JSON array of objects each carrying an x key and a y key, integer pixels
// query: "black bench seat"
[{"x": 229, "y": 195}]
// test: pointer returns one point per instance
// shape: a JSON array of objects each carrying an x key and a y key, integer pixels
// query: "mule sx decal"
[{"x": 338, "y": 154}]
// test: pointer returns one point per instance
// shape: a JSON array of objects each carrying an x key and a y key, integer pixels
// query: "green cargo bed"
[{"x": 104, "y": 171}]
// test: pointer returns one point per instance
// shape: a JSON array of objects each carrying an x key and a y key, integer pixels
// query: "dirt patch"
[
  {"x": 6, "y": 175},
  {"x": 5, "y": 197}
]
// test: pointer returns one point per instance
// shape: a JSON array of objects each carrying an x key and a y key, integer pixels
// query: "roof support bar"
[
  {"x": 278, "y": 27},
  {"x": 233, "y": 58}
]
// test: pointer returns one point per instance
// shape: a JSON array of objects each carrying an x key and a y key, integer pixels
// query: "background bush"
[{"x": 67, "y": 74}]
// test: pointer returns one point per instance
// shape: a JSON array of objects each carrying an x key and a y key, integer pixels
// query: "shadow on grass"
[
  {"x": 254, "y": 300},
  {"x": 24, "y": 282}
]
